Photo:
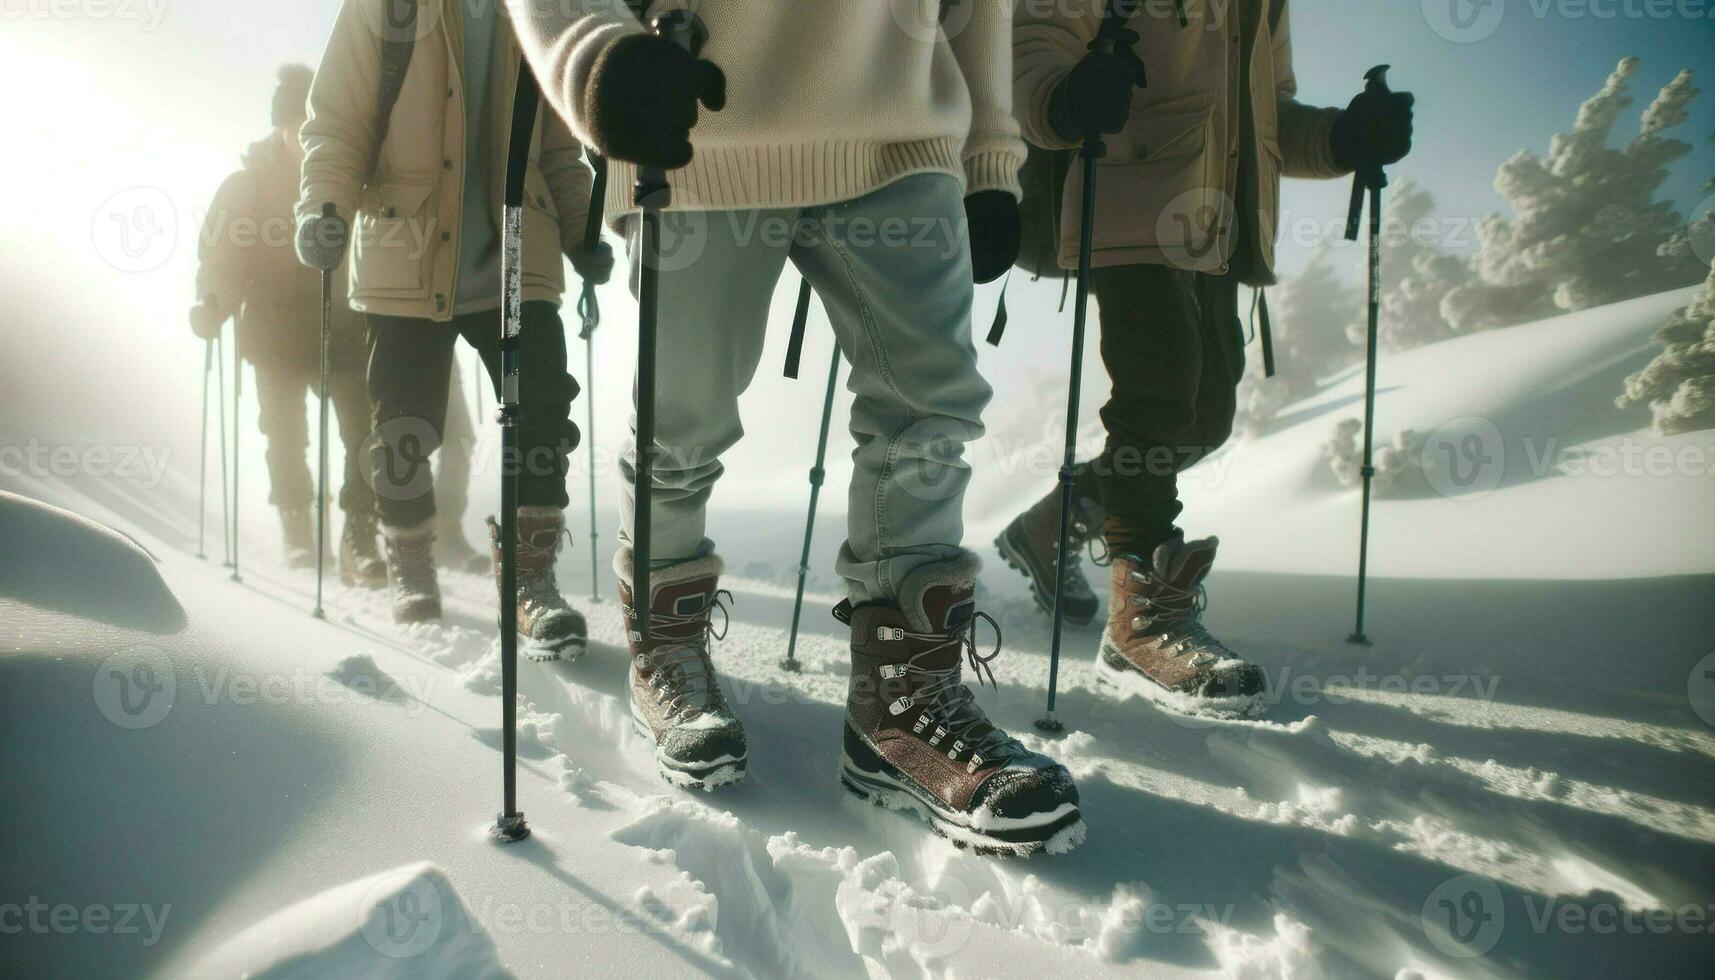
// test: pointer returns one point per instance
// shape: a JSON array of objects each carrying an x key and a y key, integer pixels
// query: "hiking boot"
[
  {"x": 454, "y": 553},
  {"x": 1031, "y": 541},
  {"x": 550, "y": 627},
  {"x": 360, "y": 561},
  {"x": 300, "y": 537},
  {"x": 676, "y": 701},
  {"x": 1156, "y": 644},
  {"x": 915, "y": 738},
  {"x": 411, "y": 572}
]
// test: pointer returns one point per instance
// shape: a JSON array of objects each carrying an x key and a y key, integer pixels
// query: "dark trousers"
[
  {"x": 410, "y": 362},
  {"x": 280, "y": 390},
  {"x": 1173, "y": 345}
]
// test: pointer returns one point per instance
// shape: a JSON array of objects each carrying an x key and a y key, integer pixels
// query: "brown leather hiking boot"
[
  {"x": 1156, "y": 645},
  {"x": 411, "y": 572},
  {"x": 1029, "y": 545},
  {"x": 550, "y": 627},
  {"x": 676, "y": 700},
  {"x": 915, "y": 738},
  {"x": 360, "y": 562}
]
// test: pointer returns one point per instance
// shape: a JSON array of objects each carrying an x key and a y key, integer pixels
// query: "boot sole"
[
  {"x": 685, "y": 775},
  {"x": 1013, "y": 555},
  {"x": 1135, "y": 683},
  {"x": 1055, "y": 831},
  {"x": 567, "y": 648}
]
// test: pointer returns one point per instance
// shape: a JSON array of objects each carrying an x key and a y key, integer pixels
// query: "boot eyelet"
[
  {"x": 958, "y": 746},
  {"x": 940, "y": 733},
  {"x": 900, "y": 706},
  {"x": 921, "y": 723},
  {"x": 889, "y": 633},
  {"x": 975, "y": 764},
  {"x": 891, "y": 671}
]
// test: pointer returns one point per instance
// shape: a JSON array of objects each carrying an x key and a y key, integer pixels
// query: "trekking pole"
[
  {"x": 237, "y": 427},
  {"x": 1094, "y": 148},
  {"x": 589, "y": 310},
  {"x": 225, "y": 503},
  {"x": 509, "y": 825},
  {"x": 1371, "y": 179},
  {"x": 816, "y": 475},
  {"x": 652, "y": 194},
  {"x": 202, "y": 450},
  {"x": 328, "y": 213}
]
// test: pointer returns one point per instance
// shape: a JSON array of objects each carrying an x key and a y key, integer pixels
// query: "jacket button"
[
  {"x": 446, "y": 236},
  {"x": 446, "y": 165}
]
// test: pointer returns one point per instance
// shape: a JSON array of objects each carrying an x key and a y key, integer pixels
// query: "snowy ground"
[{"x": 1518, "y": 779}]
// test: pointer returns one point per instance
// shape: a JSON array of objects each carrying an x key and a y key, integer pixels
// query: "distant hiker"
[
  {"x": 424, "y": 179},
  {"x": 1189, "y": 212},
  {"x": 247, "y": 269},
  {"x": 877, "y": 153}
]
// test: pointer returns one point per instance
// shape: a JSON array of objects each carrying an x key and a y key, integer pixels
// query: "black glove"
[
  {"x": 322, "y": 241},
  {"x": 1374, "y": 131},
  {"x": 642, "y": 100},
  {"x": 1096, "y": 97},
  {"x": 206, "y": 321},
  {"x": 993, "y": 220},
  {"x": 594, "y": 265}
]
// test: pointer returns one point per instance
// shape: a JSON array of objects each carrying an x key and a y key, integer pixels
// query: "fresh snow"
[{"x": 304, "y": 798}]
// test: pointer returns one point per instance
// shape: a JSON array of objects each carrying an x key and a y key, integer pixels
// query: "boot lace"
[
  {"x": 1177, "y": 615},
  {"x": 682, "y": 676},
  {"x": 955, "y": 705}
]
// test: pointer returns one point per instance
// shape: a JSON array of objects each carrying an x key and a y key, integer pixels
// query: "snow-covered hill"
[{"x": 1526, "y": 756}]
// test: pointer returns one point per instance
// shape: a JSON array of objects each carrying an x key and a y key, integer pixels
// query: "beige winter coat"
[
  {"x": 405, "y": 250},
  {"x": 1168, "y": 184}
]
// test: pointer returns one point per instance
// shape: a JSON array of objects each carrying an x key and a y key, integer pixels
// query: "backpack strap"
[{"x": 795, "y": 345}]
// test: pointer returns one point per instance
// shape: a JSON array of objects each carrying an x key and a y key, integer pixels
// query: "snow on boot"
[
  {"x": 1156, "y": 644},
  {"x": 454, "y": 553},
  {"x": 915, "y": 738},
  {"x": 300, "y": 537},
  {"x": 551, "y": 629},
  {"x": 1029, "y": 544},
  {"x": 411, "y": 572},
  {"x": 360, "y": 561},
  {"x": 676, "y": 700}
]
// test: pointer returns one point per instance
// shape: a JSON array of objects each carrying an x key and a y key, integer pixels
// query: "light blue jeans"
[{"x": 893, "y": 271}]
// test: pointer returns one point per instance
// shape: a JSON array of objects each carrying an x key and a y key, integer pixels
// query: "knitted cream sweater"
[{"x": 826, "y": 99}]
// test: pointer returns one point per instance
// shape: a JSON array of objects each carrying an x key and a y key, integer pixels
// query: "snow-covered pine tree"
[
  {"x": 1306, "y": 313},
  {"x": 1416, "y": 275},
  {"x": 1679, "y": 385},
  {"x": 1586, "y": 227}
]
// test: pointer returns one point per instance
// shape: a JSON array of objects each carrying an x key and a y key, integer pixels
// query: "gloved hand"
[
  {"x": 593, "y": 264},
  {"x": 322, "y": 241},
  {"x": 993, "y": 220},
  {"x": 1374, "y": 131},
  {"x": 642, "y": 100},
  {"x": 206, "y": 321},
  {"x": 1095, "y": 98}
]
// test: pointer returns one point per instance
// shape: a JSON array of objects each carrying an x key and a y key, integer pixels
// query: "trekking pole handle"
[
  {"x": 684, "y": 29},
  {"x": 1375, "y": 83},
  {"x": 1114, "y": 19}
]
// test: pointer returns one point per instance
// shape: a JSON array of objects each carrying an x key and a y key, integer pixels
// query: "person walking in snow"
[
  {"x": 425, "y": 182},
  {"x": 247, "y": 267},
  {"x": 874, "y": 149},
  {"x": 1187, "y": 213}
]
